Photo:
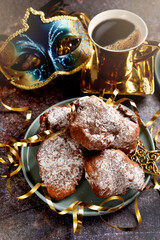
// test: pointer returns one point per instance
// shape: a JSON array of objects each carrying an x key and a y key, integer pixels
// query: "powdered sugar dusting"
[
  {"x": 113, "y": 173},
  {"x": 61, "y": 162},
  {"x": 104, "y": 126},
  {"x": 57, "y": 117}
]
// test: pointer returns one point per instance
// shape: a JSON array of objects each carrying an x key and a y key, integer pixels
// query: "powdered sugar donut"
[
  {"x": 111, "y": 172},
  {"x": 61, "y": 164},
  {"x": 97, "y": 125}
]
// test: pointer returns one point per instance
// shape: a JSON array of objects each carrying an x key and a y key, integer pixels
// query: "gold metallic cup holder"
[{"x": 131, "y": 71}]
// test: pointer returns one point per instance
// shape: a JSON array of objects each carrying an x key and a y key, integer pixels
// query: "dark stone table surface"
[{"x": 31, "y": 218}]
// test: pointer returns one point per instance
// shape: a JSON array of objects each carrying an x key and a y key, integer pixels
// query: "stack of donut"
[{"x": 99, "y": 139}]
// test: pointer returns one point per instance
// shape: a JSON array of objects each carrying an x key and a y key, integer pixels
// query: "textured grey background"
[{"x": 31, "y": 218}]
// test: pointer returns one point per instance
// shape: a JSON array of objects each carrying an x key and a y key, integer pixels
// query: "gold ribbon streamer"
[
  {"x": 26, "y": 123},
  {"x": 111, "y": 99},
  {"x": 21, "y": 109},
  {"x": 80, "y": 219},
  {"x": 12, "y": 163},
  {"x": 26, "y": 195},
  {"x": 150, "y": 122},
  {"x": 14, "y": 160},
  {"x": 12, "y": 151},
  {"x": 4, "y": 162},
  {"x": 156, "y": 186},
  {"x": 10, "y": 158},
  {"x": 77, "y": 218},
  {"x": 77, "y": 222},
  {"x": 14, "y": 109},
  {"x": 111, "y": 199},
  {"x": 74, "y": 214},
  {"x": 138, "y": 217},
  {"x": 38, "y": 138}
]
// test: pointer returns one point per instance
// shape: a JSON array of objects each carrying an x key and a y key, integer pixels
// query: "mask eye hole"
[
  {"x": 26, "y": 62},
  {"x": 67, "y": 45}
]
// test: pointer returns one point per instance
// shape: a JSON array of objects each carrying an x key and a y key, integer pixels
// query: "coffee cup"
[{"x": 121, "y": 58}]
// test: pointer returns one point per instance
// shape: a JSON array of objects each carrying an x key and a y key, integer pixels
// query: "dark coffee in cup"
[{"x": 116, "y": 34}]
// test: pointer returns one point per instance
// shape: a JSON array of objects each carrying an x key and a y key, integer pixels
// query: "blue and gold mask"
[{"x": 43, "y": 49}]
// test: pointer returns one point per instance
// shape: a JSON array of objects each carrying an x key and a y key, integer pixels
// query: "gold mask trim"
[{"x": 82, "y": 18}]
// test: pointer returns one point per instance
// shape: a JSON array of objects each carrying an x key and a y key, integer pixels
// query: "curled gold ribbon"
[
  {"x": 156, "y": 184},
  {"x": 138, "y": 217},
  {"x": 111, "y": 199},
  {"x": 77, "y": 218},
  {"x": 12, "y": 162},
  {"x": 111, "y": 99},
  {"x": 21, "y": 109},
  {"x": 26, "y": 195},
  {"x": 4, "y": 162},
  {"x": 12, "y": 152},
  {"x": 26, "y": 123},
  {"x": 150, "y": 122},
  {"x": 77, "y": 207},
  {"x": 38, "y": 138},
  {"x": 14, "y": 109},
  {"x": 77, "y": 222},
  {"x": 80, "y": 219}
]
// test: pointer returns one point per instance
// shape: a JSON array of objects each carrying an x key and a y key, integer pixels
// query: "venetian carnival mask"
[{"x": 43, "y": 49}]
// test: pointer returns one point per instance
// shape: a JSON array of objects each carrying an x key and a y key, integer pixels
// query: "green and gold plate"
[{"x": 83, "y": 192}]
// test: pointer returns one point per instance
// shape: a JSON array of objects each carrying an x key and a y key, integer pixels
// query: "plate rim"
[{"x": 42, "y": 197}]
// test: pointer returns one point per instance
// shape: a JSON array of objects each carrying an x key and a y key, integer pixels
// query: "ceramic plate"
[
  {"x": 83, "y": 192},
  {"x": 157, "y": 66}
]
